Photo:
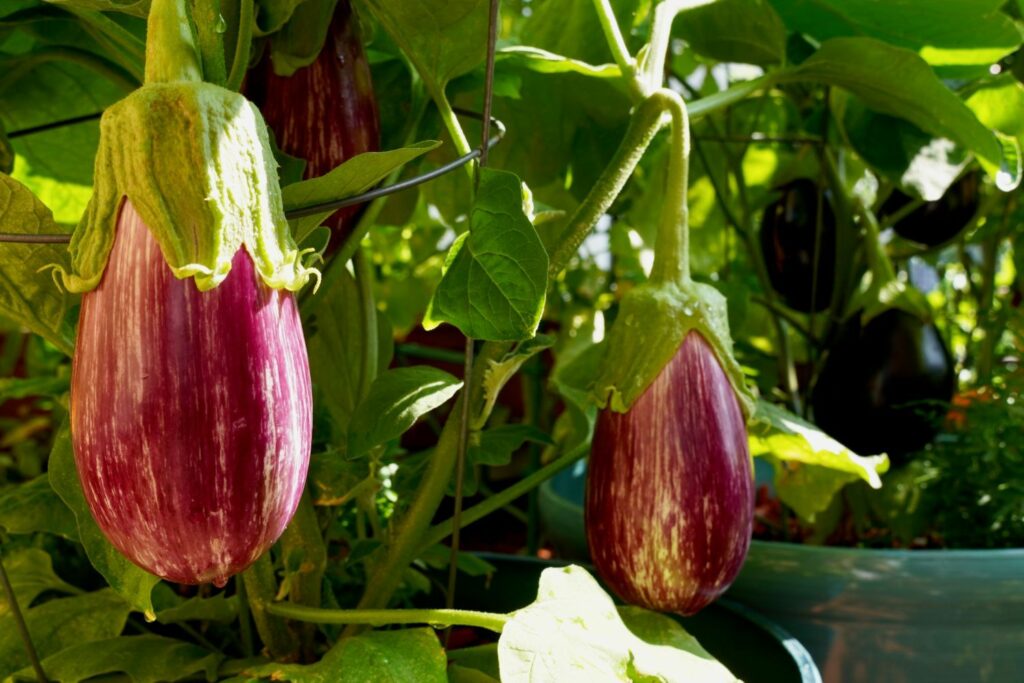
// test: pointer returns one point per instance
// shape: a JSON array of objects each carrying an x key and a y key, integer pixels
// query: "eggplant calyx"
[
  {"x": 653, "y": 321},
  {"x": 194, "y": 159}
]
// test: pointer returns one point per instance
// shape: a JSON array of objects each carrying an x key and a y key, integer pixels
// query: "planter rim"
[
  {"x": 954, "y": 554},
  {"x": 962, "y": 554}
]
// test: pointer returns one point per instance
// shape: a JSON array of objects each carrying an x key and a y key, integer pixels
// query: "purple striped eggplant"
[
  {"x": 670, "y": 494},
  {"x": 190, "y": 411},
  {"x": 325, "y": 113}
]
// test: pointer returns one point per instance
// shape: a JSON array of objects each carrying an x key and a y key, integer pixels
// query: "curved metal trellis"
[{"x": 370, "y": 195}]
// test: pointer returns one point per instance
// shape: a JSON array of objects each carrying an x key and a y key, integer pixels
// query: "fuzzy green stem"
[
  {"x": 672, "y": 248},
  {"x": 441, "y": 531},
  {"x": 243, "y": 45},
  {"x": 304, "y": 539},
  {"x": 171, "y": 53},
  {"x": 209, "y": 23},
  {"x": 451, "y": 123},
  {"x": 260, "y": 589},
  {"x": 383, "y": 617},
  {"x": 653, "y": 74},
  {"x": 643, "y": 125},
  {"x": 618, "y": 48}
]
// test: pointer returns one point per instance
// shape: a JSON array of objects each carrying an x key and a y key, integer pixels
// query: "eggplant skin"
[
  {"x": 670, "y": 490},
  {"x": 191, "y": 412},
  {"x": 325, "y": 113}
]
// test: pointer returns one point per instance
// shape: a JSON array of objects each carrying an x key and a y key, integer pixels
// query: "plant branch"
[
  {"x": 618, "y": 48},
  {"x": 439, "y": 532},
  {"x": 260, "y": 589},
  {"x": 21, "y": 66},
  {"x": 19, "y": 622},
  {"x": 384, "y": 617},
  {"x": 210, "y": 40},
  {"x": 672, "y": 248}
]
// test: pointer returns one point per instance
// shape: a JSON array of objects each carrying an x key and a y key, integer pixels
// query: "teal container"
[
  {"x": 866, "y": 616},
  {"x": 749, "y": 645}
]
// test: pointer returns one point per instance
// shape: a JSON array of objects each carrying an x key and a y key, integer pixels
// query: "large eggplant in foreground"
[
  {"x": 670, "y": 493},
  {"x": 191, "y": 411}
]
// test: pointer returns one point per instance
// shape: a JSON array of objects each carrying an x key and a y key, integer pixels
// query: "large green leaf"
[
  {"x": 22, "y": 387},
  {"x": 496, "y": 276},
  {"x": 572, "y": 28},
  {"x": 30, "y": 572},
  {"x": 898, "y": 82},
  {"x": 810, "y": 466},
  {"x": 545, "y": 62},
  {"x": 6, "y": 153},
  {"x": 899, "y": 150},
  {"x": 145, "y": 659},
  {"x": 442, "y": 38},
  {"x": 35, "y": 506},
  {"x": 397, "y": 398},
  {"x": 60, "y": 624},
  {"x": 354, "y": 176},
  {"x": 219, "y": 608},
  {"x": 27, "y": 295},
  {"x": 572, "y": 632},
  {"x": 999, "y": 103},
  {"x": 746, "y": 31},
  {"x": 133, "y": 584},
  {"x": 378, "y": 656},
  {"x": 957, "y": 35},
  {"x": 336, "y": 339},
  {"x": 57, "y": 164}
]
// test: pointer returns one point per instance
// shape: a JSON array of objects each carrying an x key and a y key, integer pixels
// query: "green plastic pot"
[
  {"x": 866, "y": 616},
  {"x": 752, "y": 647}
]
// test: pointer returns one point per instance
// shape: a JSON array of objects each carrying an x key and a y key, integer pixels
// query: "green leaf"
[
  {"x": 810, "y": 466},
  {"x": 545, "y": 62},
  {"x": 495, "y": 447},
  {"x": 27, "y": 296},
  {"x": 958, "y": 35},
  {"x": 337, "y": 337},
  {"x": 439, "y": 556},
  {"x": 745, "y": 31},
  {"x": 60, "y": 624},
  {"x": 378, "y": 656},
  {"x": 333, "y": 478},
  {"x": 397, "y": 398},
  {"x": 354, "y": 176},
  {"x": 462, "y": 674},
  {"x": 573, "y": 632},
  {"x": 898, "y": 149},
  {"x": 133, "y": 584},
  {"x": 138, "y": 8},
  {"x": 271, "y": 15},
  {"x": 898, "y": 82},
  {"x": 57, "y": 164},
  {"x": 30, "y": 572},
  {"x": 35, "y": 506},
  {"x": 22, "y": 387},
  {"x": 998, "y": 105},
  {"x": 442, "y": 38},
  {"x": 495, "y": 279},
  {"x": 660, "y": 629},
  {"x": 572, "y": 28},
  {"x": 145, "y": 659},
  {"x": 219, "y": 608}
]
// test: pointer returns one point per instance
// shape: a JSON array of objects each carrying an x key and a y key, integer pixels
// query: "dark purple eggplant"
[
  {"x": 789, "y": 240},
  {"x": 935, "y": 223},
  {"x": 670, "y": 491},
  {"x": 190, "y": 411},
  {"x": 325, "y": 113},
  {"x": 885, "y": 386}
]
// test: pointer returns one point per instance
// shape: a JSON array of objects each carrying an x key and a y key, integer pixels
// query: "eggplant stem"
[
  {"x": 19, "y": 622},
  {"x": 384, "y": 617}
]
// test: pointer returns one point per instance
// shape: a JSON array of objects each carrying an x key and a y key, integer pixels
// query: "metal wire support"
[{"x": 312, "y": 209}]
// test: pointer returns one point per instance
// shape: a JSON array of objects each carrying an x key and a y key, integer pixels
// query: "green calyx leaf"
[
  {"x": 194, "y": 159},
  {"x": 653, "y": 321}
]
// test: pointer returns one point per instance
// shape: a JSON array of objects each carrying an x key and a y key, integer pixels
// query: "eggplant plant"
[{"x": 228, "y": 448}]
